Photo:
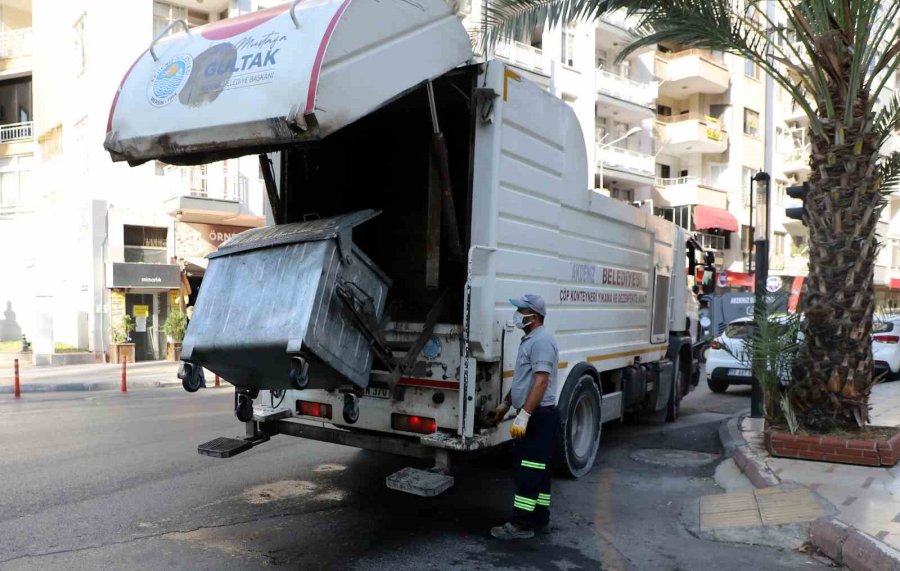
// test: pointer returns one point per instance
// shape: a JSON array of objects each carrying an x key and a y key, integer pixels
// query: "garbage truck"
[{"x": 414, "y": 190}]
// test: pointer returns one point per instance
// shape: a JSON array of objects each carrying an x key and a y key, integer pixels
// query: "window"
[
  {"x": 751, "y": 69},
  {"x": 664, "y": 171},
  {"x": 623, "y": 194},
  {"x": 15, "y": 107},
  {"x": 602, "y": 128},
  {"x": 568, "y": 46},
  {"x": 779, "y": 243},
  {"x": 780, "y": 192},
  {"x": 746, "y": 183},
  {"x": 746, "y": 238},
  {"x": 602, "y": 59},
  {"x": 717, "y": 175},
  {"x": 717, "y": 112},
  {"x": 751, "y": 122},
  {"x": 664, "y": 110},
  {"x": 79, "y": 48},
  {"x": 145, "y": 244},
  {"x": 15, "y": 184},
  {"x": 165, "y": 13}
]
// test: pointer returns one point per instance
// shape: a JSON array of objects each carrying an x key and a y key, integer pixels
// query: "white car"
[
  {"x": 886, "y": 347},
  {"x": 722, "y": 368}
]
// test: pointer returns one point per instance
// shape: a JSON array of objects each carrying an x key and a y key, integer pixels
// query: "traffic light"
[{"x": 798, "y": 212}]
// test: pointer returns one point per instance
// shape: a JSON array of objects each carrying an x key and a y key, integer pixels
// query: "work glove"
[
  {"x": 494, "y": 417},
  {"x": 517, "y": 430}
]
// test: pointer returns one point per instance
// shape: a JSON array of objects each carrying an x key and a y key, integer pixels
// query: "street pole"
[{"x": 760, "y": 303}]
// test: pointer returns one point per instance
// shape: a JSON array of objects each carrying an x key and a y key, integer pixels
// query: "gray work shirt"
[{"x": 537, "y": 354}]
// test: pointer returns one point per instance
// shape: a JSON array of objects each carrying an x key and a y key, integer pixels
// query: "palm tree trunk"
[{"x": 843, "y": 208}]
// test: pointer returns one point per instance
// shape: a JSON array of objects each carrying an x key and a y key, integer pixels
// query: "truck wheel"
[
  {"x": 580, "y": 435},
  {"x": 717, "y": 386}
]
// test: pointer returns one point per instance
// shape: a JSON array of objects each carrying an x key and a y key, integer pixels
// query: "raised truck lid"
[{"x": 291, "y": 73}]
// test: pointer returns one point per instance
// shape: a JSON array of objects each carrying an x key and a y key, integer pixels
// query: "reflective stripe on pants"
[{"x": 533, "y": 452}]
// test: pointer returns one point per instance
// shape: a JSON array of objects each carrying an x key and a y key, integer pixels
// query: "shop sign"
[{"x": 148, "y": 276}]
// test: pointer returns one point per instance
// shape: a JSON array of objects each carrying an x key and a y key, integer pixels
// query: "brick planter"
[{"x": 871, "y": 452}]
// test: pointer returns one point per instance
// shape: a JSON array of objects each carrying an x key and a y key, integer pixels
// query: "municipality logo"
[{"x": 169, "y": 79}]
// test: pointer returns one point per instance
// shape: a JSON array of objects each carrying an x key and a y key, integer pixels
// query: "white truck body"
[{"x": 614, "y": 276}]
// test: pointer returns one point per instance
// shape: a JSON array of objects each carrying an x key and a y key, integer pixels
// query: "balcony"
[
  {"x": 208, "y": 194},
  {"x": 689, "y": 134},
  {"x": 689, "y": 190},
  {"x": 524, "y": 56},
  {"x": 17, "y": 132},
  {"x": 643, "y": 94},
  {"x": 619, "y": 22},
  {"x": 15, "y": 50},
  {"x": 797, "y": 162},
  {"x": 689, "y": 72},
  {"x": 609, "y": 156}
]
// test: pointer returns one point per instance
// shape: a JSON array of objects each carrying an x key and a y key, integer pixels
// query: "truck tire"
[
  {"x": 717, "y": 386},
  {"x": 580, "y": 434}
]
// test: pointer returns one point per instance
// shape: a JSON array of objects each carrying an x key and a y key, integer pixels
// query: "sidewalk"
[
  {"x": 93, "y": 377},
  {"x": 865, "y": 498}
]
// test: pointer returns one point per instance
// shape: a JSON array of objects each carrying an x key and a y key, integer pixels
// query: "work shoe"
[{"x": 510, "y": 530}]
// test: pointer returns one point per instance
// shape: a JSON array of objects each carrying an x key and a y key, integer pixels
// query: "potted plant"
[
  {"x": 122, "y": 346},
  {"x": 174, "y": 328}
]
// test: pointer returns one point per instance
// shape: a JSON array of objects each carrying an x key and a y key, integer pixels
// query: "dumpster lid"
[
  {"x": 320, "y": 229},
  {"x": 292, "y": 73}
]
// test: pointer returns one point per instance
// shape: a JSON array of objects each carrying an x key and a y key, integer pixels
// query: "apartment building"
[
  {"x": 87, "y": 241},
  {"x": 682, "y": 131}
]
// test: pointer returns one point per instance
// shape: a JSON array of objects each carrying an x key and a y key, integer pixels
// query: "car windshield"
[
  {"x": 742, "y": 330},
  {"x": 882, "y": 327}
]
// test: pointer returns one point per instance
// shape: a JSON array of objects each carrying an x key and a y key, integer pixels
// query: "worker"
[{"x": 536, "y": 426}]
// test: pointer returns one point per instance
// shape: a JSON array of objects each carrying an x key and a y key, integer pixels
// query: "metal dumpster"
[{"x": 269, "y": 316}]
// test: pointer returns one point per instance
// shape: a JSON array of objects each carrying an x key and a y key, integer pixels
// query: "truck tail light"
[
  {"x": 886, "y": 339},
  {"x": 420, "y": 424},
  {"x": 715, "y": 345},
  {"x": 321, "y": 410}
]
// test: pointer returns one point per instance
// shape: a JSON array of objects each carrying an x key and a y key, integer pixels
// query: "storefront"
[
  {"x": 146, "y": 292},
  {"x": 193, "y": 241}
]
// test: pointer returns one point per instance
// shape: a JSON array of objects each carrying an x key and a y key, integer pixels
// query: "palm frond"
[{"x": 889, "y": 173}]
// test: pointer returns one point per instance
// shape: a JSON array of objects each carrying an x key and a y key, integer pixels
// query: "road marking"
[{"x": 603, "y": 518}]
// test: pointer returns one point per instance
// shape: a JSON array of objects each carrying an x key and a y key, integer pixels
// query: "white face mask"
[{"x": 519, "y": 319}]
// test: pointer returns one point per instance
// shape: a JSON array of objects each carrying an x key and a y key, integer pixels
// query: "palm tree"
[{"x": 834, "y": 58}]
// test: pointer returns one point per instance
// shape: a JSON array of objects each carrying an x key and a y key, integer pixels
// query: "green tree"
[{"x": 834, "y": 58}]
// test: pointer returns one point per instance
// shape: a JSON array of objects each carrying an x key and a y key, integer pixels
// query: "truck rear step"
[
  {"x": 224, "y": 447},
  {"x": 424, "y": 483}
]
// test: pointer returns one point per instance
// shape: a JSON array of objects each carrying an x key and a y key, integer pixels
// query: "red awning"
[
  {"x": 895, "y": 283},
  {"x": 706, "y": 217}
]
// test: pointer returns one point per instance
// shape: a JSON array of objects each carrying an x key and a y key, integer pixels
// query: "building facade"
[{"x": 88, "y": 241}]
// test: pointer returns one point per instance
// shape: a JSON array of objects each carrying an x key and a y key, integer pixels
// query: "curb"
[
  {"x": 93, "y": 386},
  {"x": 842, "y": 543}
]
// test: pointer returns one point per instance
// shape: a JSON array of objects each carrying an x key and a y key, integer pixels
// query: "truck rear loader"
[{"x": 414, "y": 189}]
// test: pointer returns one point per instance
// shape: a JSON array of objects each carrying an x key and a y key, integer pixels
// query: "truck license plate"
[
  {"x": 378, "y": 392},
  {"x": 740, "y": 373}
]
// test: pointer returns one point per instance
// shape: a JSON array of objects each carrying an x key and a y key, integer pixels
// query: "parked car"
[
  {"x": 886, "y": 347},
  {"x": 723, "y": 368}
]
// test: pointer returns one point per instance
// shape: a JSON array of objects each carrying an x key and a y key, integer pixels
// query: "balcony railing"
[
  {"x": 15, "y": 43},
  {"x": 17, "y": 132},
  {"x": 611, "y": 156},
  {"x": 199, "y": 182},
  {"x": 624, "y": 88},
  {"x": 694, "y": 52},
  {"x": 523, "y": 55}
]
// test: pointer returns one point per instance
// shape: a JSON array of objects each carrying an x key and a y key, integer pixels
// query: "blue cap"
[{"x": 532, "y": 302}]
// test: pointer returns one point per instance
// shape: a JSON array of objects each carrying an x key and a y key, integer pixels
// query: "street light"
[
  {"x": 627, "y": 134},
  {"x": 761, "y": 229}
]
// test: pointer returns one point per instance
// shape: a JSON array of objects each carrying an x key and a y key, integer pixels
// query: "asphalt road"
[{"x": 105, "y": 480}]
